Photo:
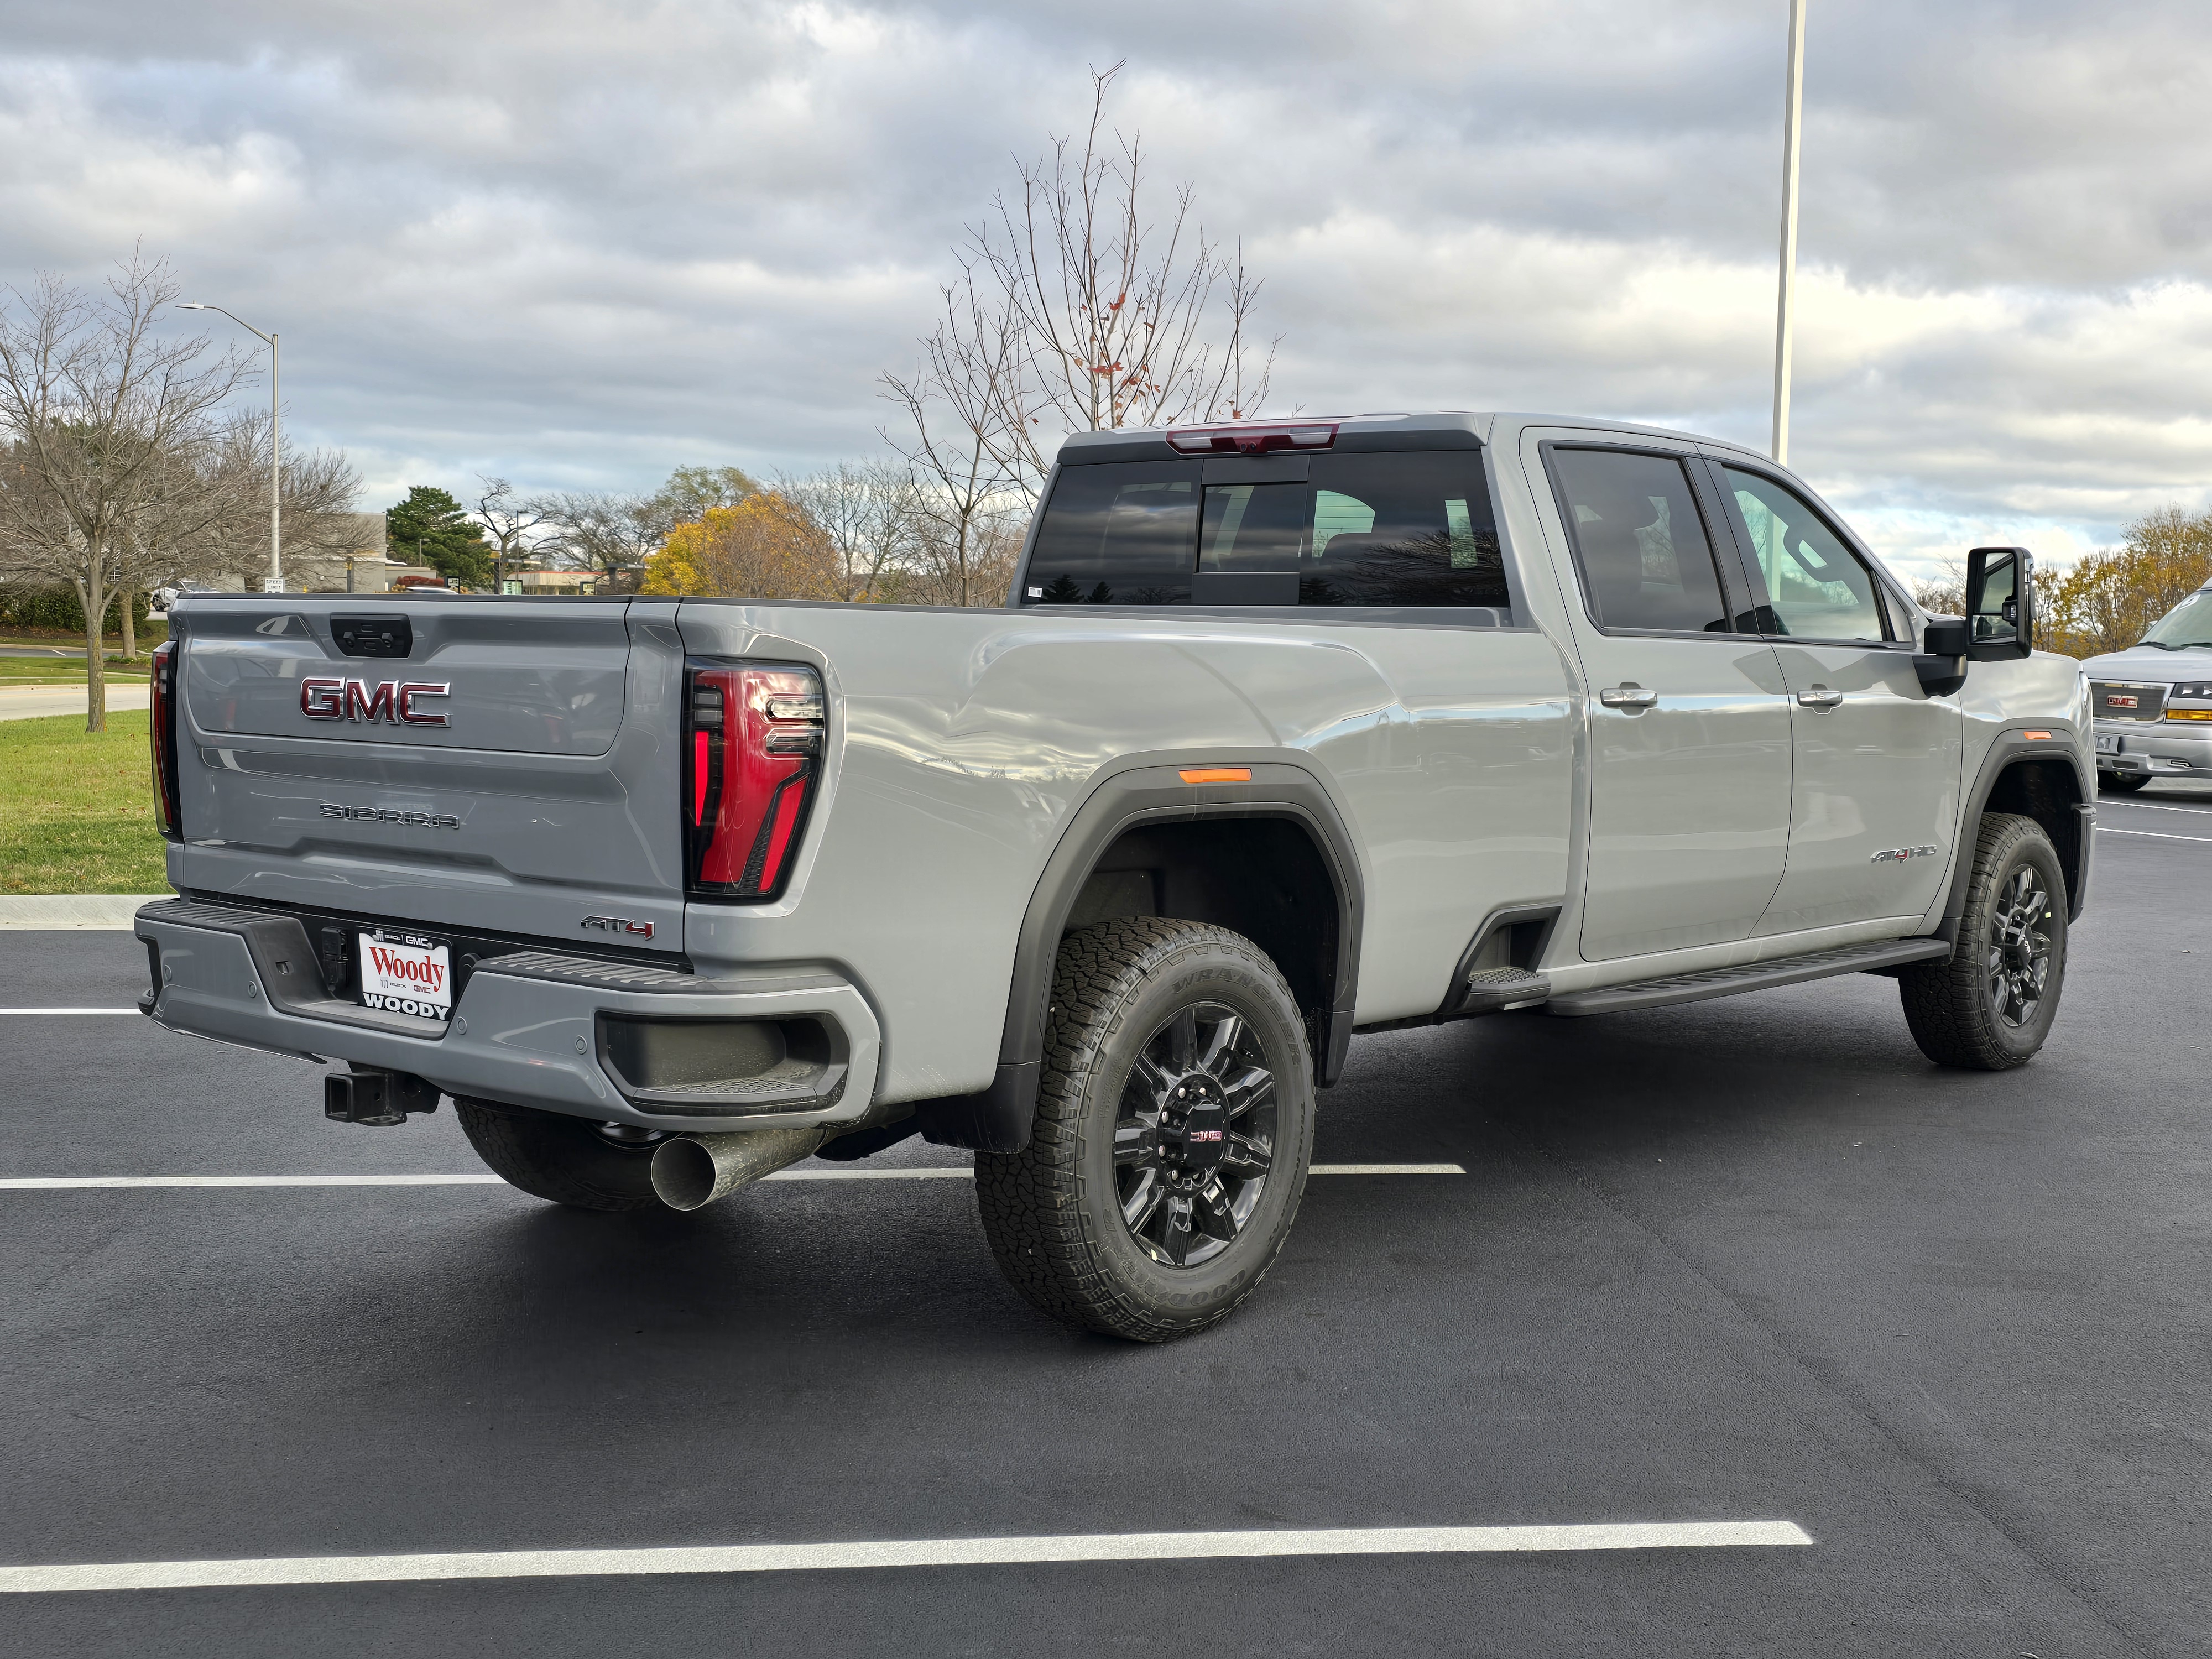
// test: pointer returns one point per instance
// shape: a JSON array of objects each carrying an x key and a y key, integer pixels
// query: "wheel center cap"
[{"x": 1194, "y": 1126}]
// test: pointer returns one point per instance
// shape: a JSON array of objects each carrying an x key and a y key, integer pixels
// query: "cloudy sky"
[{"x": 577, "y": 242}]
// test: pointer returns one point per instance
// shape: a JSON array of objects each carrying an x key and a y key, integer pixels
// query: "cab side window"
[
  {"x": 1640, "y": 542},
  {"x": 1816, "y": 587},
  {"x": 1117, "y": 534},
  {"x": 1415, "y": 528}
]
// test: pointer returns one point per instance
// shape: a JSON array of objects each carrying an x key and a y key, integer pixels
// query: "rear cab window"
[{"x": 1398, "y": 529}]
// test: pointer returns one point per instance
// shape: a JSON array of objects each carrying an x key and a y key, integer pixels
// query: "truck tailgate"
[{"x": 513, "y": 769}]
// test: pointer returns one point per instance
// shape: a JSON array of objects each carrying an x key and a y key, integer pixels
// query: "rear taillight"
[
  {"x": 752, "y": 751},
  {"x": 162, "y": 732}
]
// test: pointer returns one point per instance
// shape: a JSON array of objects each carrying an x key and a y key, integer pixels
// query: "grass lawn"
[{"x": 77, "y": 808}]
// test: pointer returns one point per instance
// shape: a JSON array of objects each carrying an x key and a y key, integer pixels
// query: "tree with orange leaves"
[{"x": 768, "y": 546}]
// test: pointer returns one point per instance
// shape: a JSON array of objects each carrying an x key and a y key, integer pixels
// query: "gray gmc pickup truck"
[{"x": 1287, "y": 733}]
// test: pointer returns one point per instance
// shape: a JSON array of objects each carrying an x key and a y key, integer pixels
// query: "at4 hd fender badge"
[
  {"x": 1898, "y": 855},
  {"x": 396, "y": 703},
  {"x": 620, "y": 924}
]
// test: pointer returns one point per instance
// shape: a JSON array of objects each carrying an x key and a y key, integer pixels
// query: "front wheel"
[
  {"x": 1174, "y": 1125},
  {"x": 1988, "y": 1006},
  {"x": 2123, "y": 783}
]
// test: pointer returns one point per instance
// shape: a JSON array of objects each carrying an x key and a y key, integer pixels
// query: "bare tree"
[
  {"x": 1074, "y": 311},
  {"x": 97, "y": 412},
  {"x": 1112, "y": 310},
  {"x": 508, "y": 519},
  {"x": 319, "y": 487},
  {"x": 611, "y": 535},
  {"x": 868, "y": 512},
  {"x": 963, "y": 558},
  {"x": 970, "y": 463}
]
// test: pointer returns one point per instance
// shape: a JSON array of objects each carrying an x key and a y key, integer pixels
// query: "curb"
[{"x": 113, "y": 911}]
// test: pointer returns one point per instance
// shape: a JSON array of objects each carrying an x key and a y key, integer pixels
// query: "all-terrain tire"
[
  {"x": 1054, "y": 1213},
  {"x": 2123, "y": 783},
  {"x": 552, "y": 1156},
  {"x": 1952, "y": 1004}
]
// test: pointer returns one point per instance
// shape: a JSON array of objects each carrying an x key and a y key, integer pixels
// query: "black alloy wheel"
[
  {"x": 2019, "y": 946},
  {"x": 1195, "y": 1140},
  {"x": 1174, "y": 1124},
  {"x": 2123, "y": 783}
]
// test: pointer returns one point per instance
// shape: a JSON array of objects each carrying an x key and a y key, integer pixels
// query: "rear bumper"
[{"x": 531, "y": 1029}]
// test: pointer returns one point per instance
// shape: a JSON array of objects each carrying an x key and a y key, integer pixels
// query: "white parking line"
[
  {"x": 67, "y": 1184},
  {"x": 899, "y": 1552},
  {"x": 2154, "y": 806},
  {"x": 67, "y": 1010},
  {"x": 2108, "y": 830},
  {"x": 73, "y": 1184}
]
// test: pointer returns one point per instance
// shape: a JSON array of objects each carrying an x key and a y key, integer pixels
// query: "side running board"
[{"x": 1751, "y": 976}]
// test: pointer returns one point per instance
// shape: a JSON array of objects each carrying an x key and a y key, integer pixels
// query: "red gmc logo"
[
  {"x": 392, "y": 702},
  {"x": 2120, "y": 700}
]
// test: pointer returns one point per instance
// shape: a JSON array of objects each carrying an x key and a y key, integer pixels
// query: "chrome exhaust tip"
[{"x": 689, "y": 1172}]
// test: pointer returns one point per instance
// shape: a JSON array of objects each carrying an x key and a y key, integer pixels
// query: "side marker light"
[{"x": 1216, "y": 774}]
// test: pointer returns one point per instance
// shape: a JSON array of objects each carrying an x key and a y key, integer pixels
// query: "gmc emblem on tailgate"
[{"x": 392, "y": 702}]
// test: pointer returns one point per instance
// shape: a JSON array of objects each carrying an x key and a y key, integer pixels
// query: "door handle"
[
  {"x": 1628, "y": 694},
  {"x": 1820, "y": 697}
]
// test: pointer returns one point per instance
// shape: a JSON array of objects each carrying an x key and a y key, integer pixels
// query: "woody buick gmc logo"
[{"x": 396, "y": 703}]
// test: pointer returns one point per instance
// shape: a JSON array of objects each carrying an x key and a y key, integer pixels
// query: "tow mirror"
[{"x": 2000, "y": 602}]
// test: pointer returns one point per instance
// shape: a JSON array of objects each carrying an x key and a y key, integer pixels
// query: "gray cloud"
[{"x": 582, "y": 243}]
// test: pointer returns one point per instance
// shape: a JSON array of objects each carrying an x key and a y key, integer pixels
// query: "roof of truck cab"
[{"x": 1411, "y": 429}]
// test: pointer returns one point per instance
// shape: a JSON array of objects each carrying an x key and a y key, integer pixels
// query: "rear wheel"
[
  {"x": 2123, "y": 783},
  {"x": 1989, "y": 1005},
  {"x": 1174, "y": 1126},
  {"x": 567, "y": 1160}
]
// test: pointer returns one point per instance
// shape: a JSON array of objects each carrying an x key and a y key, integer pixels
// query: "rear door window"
[
  {"x": 1408, "y": 528},
  {"x": 1646, "y": 560}
]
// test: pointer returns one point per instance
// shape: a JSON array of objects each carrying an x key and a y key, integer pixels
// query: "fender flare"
[
  {"x": 2009, "y": 748},
  {"x": 1139, "y": 790}
]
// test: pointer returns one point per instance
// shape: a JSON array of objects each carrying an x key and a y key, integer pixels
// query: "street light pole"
[
  {"x": 276, "y": 581},
  {"x": 1792, "y": 103}
]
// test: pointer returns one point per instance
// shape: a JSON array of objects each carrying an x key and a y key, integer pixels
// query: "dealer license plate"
[
  {"x": 406, "y": 973},
  {"x": 2108, "y": 745}
]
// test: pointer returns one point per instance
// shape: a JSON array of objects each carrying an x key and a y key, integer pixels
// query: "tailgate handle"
[{"x": 373, "y": 636}]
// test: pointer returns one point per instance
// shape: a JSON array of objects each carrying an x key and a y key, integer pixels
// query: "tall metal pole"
[
  {"x": 1792, "y": 104},
  {"x": 277, "y": 472},
  {"x": 276, "y": 580}
]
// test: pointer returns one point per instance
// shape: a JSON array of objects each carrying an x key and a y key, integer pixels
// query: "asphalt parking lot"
[{"x": 1749, "y": 1261}]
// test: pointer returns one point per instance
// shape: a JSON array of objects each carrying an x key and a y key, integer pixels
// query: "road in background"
[
  {"x": 32, "y": 702},
  {"x": 1750, "y": 1260}
]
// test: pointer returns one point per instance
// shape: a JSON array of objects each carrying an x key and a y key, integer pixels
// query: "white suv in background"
[{"x": 2153, "y": 700}]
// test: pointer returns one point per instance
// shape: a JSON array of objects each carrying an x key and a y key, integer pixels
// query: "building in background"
[{"x": 344, "y": 553}]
